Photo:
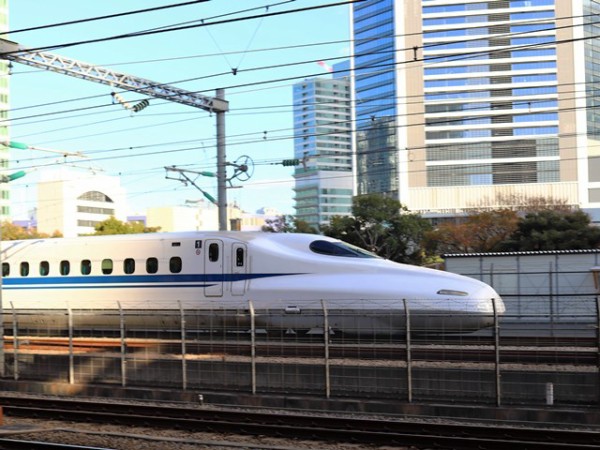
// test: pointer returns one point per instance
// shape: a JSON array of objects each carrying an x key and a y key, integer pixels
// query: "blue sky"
[{"x": 137, "y": 146}]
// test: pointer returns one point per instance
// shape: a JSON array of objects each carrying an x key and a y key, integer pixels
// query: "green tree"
[
  {"x": 287, "y": 224},
  {"x": 554, "y": 230},
  {"x": 383, "y": 226},
  {"x": 115, "y": 226}
]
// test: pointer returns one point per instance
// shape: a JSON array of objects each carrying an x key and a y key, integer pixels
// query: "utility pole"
[
  {"x": 221, "y": 166},
  {"x": 12, "y": 51}
]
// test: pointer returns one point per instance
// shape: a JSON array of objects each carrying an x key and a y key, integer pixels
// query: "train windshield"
[{"x": 340, "y": 249}]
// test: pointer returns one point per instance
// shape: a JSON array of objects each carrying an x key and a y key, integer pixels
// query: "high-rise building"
[
  {"x": 323, "y": 147},
  {"x": 477, "y": 104},
  {"x": 4, "y": 134}
]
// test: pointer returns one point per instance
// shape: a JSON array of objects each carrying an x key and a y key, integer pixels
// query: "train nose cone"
[{"x": 488, "y": 300}]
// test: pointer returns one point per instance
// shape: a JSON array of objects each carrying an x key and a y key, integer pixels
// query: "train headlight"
[{"x": 452, "y": 292}]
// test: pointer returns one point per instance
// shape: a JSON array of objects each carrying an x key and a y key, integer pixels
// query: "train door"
[
  {"x": 213, "y": 267},
  {"x": 239, "y": 268}
]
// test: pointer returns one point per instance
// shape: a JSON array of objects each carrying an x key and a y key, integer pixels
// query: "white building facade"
[{"x": 74, "y": 203}]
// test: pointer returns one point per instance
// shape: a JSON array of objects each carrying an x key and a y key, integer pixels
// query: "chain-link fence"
[{"x": 407, "y": 350}]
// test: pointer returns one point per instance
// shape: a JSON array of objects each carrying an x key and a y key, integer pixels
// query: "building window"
[
  {"x": 93, "y": 210},
  {"x": 95, "y": 196}
]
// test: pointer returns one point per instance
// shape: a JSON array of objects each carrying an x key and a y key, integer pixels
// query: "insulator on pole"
[
  {"x": 135, "y": 108},
  {"x": 121, "y": 100},
  {"x": 141, "y": 105}
]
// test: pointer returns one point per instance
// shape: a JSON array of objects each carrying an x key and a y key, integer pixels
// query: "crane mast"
[{"x": 12, "y": 51}]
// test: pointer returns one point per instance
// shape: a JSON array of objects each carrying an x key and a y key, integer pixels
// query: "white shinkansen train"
[{"x": 270, "y": 281}]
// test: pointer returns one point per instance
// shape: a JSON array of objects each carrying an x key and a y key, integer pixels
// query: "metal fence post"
[
  {"x": 15, "y": 328},
  {"x": 183, "y": 347},
  {"x": 598, "y": 340},
  {"x": 252, "y": 345},
  {"x": 71, "y": 354},
  {"x": 326, "y": 343},
  {"x": 123, "y": 346},
  {"x": 497, "y": 353},
  {"x": 551, "y": 295},
  {"x": 409, "y": 390}
]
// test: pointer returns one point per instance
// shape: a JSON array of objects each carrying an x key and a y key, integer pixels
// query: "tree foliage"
[
  {"x": 554, "y": 230},
  {"x": 115, "y": 226},
  {"x": 384, "y": 226},
  {"x": 479, "y": 232},
  {"x": 12, "y": 232},
  {"x": 287, "y": 224}
]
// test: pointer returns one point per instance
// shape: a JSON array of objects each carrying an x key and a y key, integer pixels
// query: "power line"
[
  {"x": 108, "y": 16},
  {"x": 185, "y": 27},
  {"x": 455, "y": 57}
]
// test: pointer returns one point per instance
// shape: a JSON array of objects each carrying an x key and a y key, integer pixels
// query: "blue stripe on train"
[{"x": 128, "y": 281}]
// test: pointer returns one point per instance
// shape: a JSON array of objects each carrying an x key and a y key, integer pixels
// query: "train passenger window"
[
  {"x": 24, "y": 269},
  {"x": 44, "y": 268},
  {"x": 213, "y": 252},
  {"x": 86, "y": 267},
  {"x": 129, "y": 265},
  {"x": 239, "y": 257},
  {"x": 107, "y": 266},
  {"x": 5, "y": 269},
  {"x": 175, "y": 264},
  {"x": 152, "y": 265},
  {"x": 65, "y": 267}
]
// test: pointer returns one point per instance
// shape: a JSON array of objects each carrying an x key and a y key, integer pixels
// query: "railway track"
[
  {"x": 526, "y": 351},
  {"x": 374, "y": 431}
]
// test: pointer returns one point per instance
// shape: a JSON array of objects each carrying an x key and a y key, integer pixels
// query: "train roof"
[{"x": 289, "y": 238}]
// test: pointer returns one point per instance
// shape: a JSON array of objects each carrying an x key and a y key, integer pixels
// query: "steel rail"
[
  {"x": 520, "y": 354},
  {"x": 17, "y": 444},
  {"x": 294, "y": 425}
]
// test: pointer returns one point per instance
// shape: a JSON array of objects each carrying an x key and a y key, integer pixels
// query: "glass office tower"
[
  {"x": 375, "y": 91},
  {"x": 485, "y": 102},
  {"x": 323, "y": 145}
]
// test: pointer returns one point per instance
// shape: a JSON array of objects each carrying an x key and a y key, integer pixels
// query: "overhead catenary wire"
[
  {"x": 104, "y": 17},
  {"x": 382, "y": 66},
  {"x": 184, "y": 27}
]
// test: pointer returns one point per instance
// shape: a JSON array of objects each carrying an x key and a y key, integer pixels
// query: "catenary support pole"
[{"x": 221, "y": 165}]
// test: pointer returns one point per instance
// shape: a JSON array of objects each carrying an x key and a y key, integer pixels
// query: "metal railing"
[{"x": 374, "y": 350}]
